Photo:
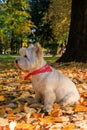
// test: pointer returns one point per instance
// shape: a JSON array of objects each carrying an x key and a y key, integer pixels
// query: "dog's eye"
[{"x": 25, "y": 56}]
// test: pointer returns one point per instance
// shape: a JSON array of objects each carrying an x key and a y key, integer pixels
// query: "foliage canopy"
[{"x": 21, "y": 22}]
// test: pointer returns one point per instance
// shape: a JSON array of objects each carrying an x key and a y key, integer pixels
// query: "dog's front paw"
[{"x": 48, "y": 108}]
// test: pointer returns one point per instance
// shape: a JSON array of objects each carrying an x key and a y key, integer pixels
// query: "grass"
[
  {"x": 51, "y": 58},
  {"x": 11, "y": 58},
  {"x": 8, "y": 56},
  {"x": 7, "y": 61}
]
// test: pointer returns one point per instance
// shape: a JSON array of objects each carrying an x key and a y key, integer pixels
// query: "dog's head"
[{"x": 30, "y": 58}]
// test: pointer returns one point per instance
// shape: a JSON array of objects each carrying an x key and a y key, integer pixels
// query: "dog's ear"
[
  {"x": 38, "y": 50},
  {"x": 22, "y": 51}
]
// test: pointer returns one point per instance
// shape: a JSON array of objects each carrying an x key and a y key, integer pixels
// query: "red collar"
[{"x": 45, "y": 68}]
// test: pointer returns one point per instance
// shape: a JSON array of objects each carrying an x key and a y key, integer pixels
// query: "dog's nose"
[{"x": 16, "y": 61}]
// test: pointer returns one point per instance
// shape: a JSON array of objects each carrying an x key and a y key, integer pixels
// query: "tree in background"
[
  {"x": 51, "y": 18},
  {"x": 15, "y": 23},
  {"x": 76, "y": 49},
  {"x": 58, "y": 16},
  {"x": 38, "y": 10},
  {"x": 46, "y": 21}
]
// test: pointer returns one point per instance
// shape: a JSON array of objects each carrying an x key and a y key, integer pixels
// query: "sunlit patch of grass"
[
  {"x": 51, "y": 58},
  {"x": 7, "y": 61},
  {"x": 10, "y": 58},
  {"x": 7, "y": 56}
]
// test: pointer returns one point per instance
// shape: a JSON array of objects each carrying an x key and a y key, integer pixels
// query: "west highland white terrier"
[{"x": 50, "y": 85}]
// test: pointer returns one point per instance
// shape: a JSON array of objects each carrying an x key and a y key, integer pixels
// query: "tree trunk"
[
  {"x": 1, "y": 47},
  {"x": 12, "y": 43},
  {"x": 76, "y": 49}
]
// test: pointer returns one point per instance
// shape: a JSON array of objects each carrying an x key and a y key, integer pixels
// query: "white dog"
[{"x": 49, "y": 84}]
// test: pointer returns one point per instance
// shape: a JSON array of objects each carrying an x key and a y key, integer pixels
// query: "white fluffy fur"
[
  {"x": 49, "y": 87},
  {"x": 22, "y": 51}
]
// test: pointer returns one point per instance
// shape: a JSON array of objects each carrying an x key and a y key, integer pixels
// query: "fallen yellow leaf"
[
  {"x": 36, "y": 115},
  {"x": 12, "y": 117},
  {"x": 24, "y": 126},
  {"x": 55, "y": 112},
  {"x": 56, "y": 106},
  {"x": 2, "y": 98},
  {"x": 84, "y": 103},
  {"x": 80, "y": 108},
  {"x": 49, "y": 119},
  {"x": 84, "y": 94},
  {"x": 70, "y": 126},
  {"x": 46, "y": 119}
]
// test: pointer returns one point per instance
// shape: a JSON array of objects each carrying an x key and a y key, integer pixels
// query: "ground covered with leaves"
[{"x": 19, "y": 111}]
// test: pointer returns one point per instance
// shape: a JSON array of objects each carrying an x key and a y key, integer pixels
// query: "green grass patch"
[
  {"x": 7, "y": 56},
  {"x": 51, "y": 58},
  {"x": 12, "y": 57},
  {"x": 7, "y": 61}
]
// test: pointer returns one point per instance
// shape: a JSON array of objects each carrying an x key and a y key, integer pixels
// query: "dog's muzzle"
[{"x": 16, "y": 62}]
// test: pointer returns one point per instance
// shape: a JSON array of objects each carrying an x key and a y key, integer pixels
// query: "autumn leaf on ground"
[
  {"x": 84, "y": 94},
  {"x": 70, "y": 126},
  {"x": 56, "y": 106},
  {"x": 4, "y": 128},
  {"x": 3, "y": 121},
  {"x": 80, "y": 108},
  {"x": 36, "y": 115},
  {"x": 2, "y": 98},
  {"x": 50, "y": 119},
  {"x": 12, "y": 117},
  {"x": 17, "y": 102},
  {"x": 24, "y": 126},
  {"x": 84, "y": 103},
  {"x": 55, "y": 112},
  {"x": 2, "y": 111}
]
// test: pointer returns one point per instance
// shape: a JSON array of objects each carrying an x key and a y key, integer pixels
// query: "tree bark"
[
  {"x": 1, "y": 46},
  {"x": 76, "y": 49}
]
